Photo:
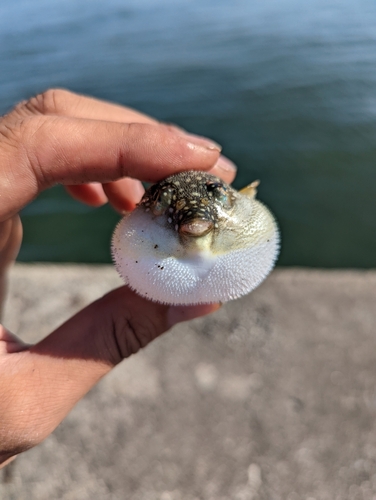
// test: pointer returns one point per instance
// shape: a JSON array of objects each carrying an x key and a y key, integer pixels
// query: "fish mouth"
[{"x": 196, "y": 227}]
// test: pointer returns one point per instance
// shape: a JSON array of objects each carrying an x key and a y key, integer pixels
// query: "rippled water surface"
[{"x": 287, "y": 87}]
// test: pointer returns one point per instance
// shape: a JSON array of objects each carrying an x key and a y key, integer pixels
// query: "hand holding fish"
[{"x": 100, "y": 152}]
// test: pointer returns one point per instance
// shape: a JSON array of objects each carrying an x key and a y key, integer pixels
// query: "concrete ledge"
[{"x": 273, "y": 397}]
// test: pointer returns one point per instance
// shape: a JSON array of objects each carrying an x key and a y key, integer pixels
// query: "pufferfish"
[{"x": 194, "y": 239}]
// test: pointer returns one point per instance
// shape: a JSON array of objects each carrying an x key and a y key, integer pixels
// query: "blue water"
[{"x": 287, "y": 87}]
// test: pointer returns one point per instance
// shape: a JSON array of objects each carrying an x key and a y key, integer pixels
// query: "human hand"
[{"x": 97, "y": 150}]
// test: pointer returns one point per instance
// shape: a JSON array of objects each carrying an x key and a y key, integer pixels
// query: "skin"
[{"x": 97, "y": 150}]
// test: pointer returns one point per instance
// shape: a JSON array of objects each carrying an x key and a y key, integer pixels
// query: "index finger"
[{"x": 42, "y": 151}]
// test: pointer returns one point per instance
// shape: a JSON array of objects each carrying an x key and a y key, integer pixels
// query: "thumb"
[
  {"x": 45, "y": 381},
  {"x": 116, "y": 326}
]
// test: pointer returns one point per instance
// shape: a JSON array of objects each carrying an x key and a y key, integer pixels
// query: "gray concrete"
[{"x": 273, "y": 397}]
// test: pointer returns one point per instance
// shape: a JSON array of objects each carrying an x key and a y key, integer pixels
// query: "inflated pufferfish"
[{"x": 194, "y": 239}]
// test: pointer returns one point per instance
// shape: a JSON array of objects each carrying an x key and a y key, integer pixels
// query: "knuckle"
[
  {"x": 126, "y": 325},
  {"x": 128, "y": 331},
  {"x": 20, "y": 132},
  {"x": 13, "y": 132},
  {"x": 130, "y": 336},
  {"x": 22, "y": 138},
  {"x": 51, "y": 101},
  {"x": 9, "y": 133}
]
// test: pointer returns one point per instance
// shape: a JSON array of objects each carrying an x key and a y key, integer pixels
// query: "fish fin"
[{"x": 250, "y": 190}]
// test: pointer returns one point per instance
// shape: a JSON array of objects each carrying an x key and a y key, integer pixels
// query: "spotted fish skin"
[
  {"x": 188, "y": 196},
  {"x": 194, "y": 239}
]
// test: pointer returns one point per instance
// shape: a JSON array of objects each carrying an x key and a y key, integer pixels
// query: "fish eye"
[
  {"x": 162, "y": 199},
  {"x": 219, "y": 192}
]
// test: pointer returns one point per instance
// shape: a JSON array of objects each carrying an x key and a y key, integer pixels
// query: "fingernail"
[
  {"x": 225, "y": 164},
  {"x": 177, "y": 314},
  {"x": 197, "y": 140}
]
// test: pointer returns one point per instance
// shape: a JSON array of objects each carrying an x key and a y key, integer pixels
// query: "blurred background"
[{"x": 287, "y": 87}]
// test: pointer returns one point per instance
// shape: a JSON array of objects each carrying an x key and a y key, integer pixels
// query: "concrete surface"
[{"x": 273, "y": 397}]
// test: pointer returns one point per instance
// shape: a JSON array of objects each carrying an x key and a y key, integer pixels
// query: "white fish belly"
[{"x": 151, "y": 260}]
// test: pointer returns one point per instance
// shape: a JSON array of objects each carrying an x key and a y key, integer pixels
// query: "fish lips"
[{"x": 195, "y": 227}]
